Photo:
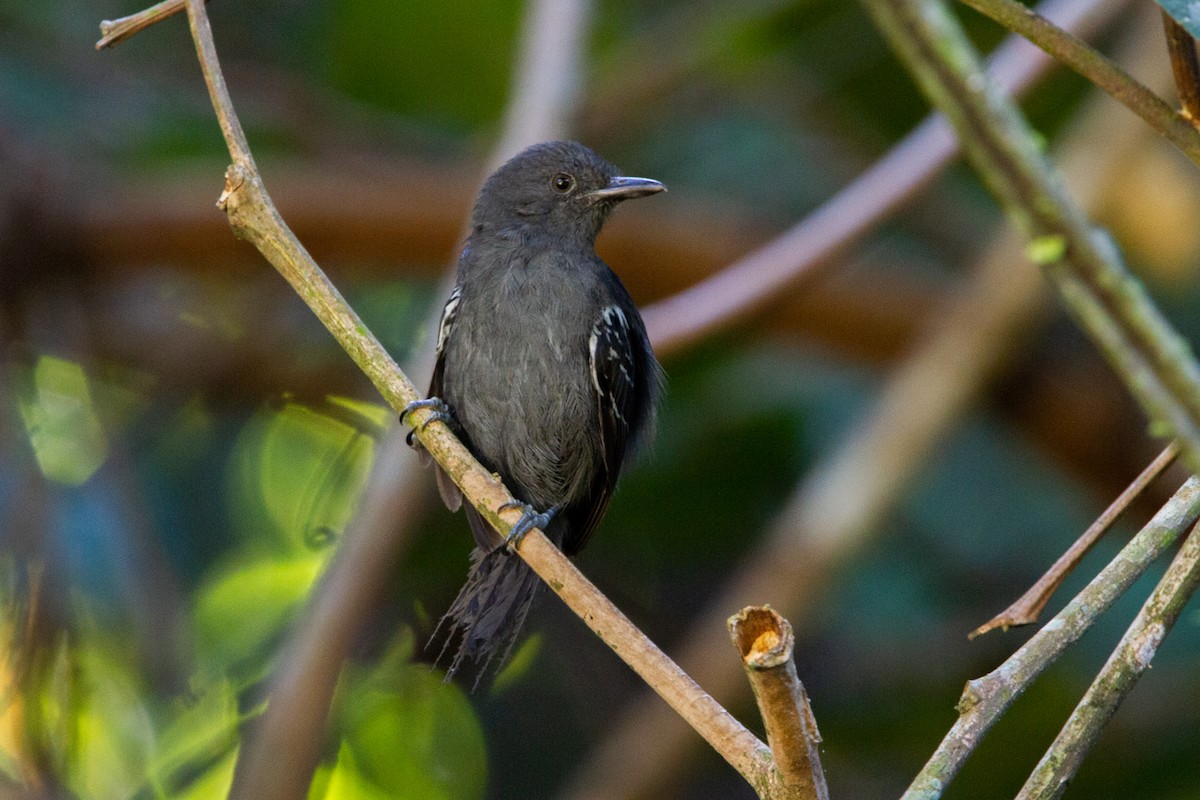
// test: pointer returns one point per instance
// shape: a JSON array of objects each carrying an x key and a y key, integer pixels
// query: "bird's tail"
[{"x": 489, "y": 611}]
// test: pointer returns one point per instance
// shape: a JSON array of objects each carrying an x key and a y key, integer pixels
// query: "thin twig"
[
  {"x": 1110, "y": 304},
  {"x": 1128, "y": 661},
  {"x": 765, "y": 641},
  {"x": 253, "y": 216},
  {"x": 1097, "y": 68},
  {"x": 985, "y": 699},
  {"x": 780, "y": 266},
  {"x": 118, "y": 30},
  {"x": 1186, "y": 65},
  {"x": 1025, "y": 610}
]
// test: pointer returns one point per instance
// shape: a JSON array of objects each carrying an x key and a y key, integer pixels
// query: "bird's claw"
[
  {"x": 530, "y": 518},
  {"x": 441, "y": 411}
]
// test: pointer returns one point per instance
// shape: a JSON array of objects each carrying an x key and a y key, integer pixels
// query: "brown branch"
[
  {"x": 253, "y": 216},
  {"x": 765, "y": 641},
  {"x": 1186, "y": 65},
  {"x": 1097, "y": 68},
  {"x": 1025, "y": 610},
  {"x": 116, "y": 31}
]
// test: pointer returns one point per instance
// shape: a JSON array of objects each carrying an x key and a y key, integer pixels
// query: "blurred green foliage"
[{"x": 61, "y": 423}]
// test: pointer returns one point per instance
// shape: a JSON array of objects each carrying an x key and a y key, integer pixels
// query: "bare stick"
[
  {"x": 1186, "y": 65},
  {"x": 118, "y": 30},
  {"x": 765, "y": 642},
  {"x": 1128, "y": 661},
  {"x": 985, "y": 699},
  {"x": 1027, "y": 607},
  {"x": 1097, "y": 68}
]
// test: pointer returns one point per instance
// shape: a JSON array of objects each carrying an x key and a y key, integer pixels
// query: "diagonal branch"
[
  {"x": 1185, "y": 63},
  {"x": 1128, "y": 661},
  {"x": 1108, "y": 302},
  {"x": 1097, "y": 68},
  {"x": 985, "y": 699},
  {"x": 254, "y": 217},
  {"x": 1026, "y": 608}
]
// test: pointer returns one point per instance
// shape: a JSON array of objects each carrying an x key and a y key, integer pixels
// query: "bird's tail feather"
[{"x": 487, "y": 615}]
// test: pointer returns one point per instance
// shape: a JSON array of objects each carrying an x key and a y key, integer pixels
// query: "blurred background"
[{"x": 183, "y": 448}]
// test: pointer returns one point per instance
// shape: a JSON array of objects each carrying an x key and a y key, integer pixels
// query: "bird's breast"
[{"x": 517, "y": 375}]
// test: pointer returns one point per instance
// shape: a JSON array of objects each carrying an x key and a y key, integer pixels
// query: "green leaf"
[
  {"x": 200, "y": 731},
  {"x": 242, "y": 609},
  {"x": 297, "y": 473},
  {"x": 1185, "y": 12},
  {"x": 414, "y": 735},
  {"x": 113, "y": 734},
  {"x": 1048, "y": 249},
  {"x": 346, "y": 782},
  {"x": 213, "y": 782},
  {"x": 61, "y": 422}
]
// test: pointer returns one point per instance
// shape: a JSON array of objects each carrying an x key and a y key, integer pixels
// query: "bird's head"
[{"x": 559, "y": 188}]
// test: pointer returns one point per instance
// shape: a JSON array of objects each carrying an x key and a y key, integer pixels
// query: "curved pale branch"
[{"x": 752, "y": 281}]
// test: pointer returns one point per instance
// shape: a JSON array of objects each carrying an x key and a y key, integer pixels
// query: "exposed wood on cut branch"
[{"x": 765, "y": 641}]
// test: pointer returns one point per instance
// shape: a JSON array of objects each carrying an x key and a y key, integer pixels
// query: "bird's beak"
[{"x": 626, "y": 188}]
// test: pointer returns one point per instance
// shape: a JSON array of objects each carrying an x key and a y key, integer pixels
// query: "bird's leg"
[
  {"x": 441, "y": 413},
  {"x": 530, "y": 518}
]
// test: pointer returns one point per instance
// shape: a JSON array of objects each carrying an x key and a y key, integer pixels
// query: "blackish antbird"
[{"x": 544, "y": 370}]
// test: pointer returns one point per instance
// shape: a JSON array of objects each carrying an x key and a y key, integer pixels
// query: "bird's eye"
[{"x": 562, "y": 183}]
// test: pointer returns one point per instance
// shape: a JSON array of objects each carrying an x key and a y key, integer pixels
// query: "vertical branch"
[
  {"x": 214, "y": 78},
  {"x": 1128, "y": 661},
  {"x": 545, "y": 88},
  {"x": 765, "y": 641}
]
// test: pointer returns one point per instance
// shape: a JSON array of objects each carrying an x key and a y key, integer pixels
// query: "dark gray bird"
[{"x": 544, "y": 370}]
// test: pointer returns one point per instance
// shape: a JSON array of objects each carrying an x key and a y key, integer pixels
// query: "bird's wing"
[
  {"x": 615, "y": 375},
  {"x": 451, "y": 496}
]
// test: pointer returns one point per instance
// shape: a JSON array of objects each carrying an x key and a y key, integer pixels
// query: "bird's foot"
[
  {"x": 441, "y": 413},
  {"x": 530, "y": 518}
]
